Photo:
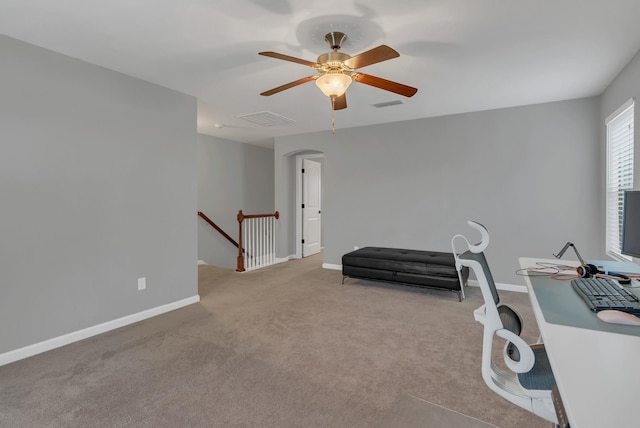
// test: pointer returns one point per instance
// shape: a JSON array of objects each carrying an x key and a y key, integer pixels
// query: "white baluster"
[
  {"x": 264, "y": 241},
  {"x": 247, "y": 245},
  {"x": 258, "y": 241},
  {"x": 270, "y": 240},
  {"x": 253, "y": 243}
]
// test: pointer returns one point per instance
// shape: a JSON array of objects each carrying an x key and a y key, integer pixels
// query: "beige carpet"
[
  {"x": 285, "y": 346},
  {"x": 412, "y": 412}
]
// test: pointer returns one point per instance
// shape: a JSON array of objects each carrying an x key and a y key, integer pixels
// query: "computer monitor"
[{"x": 631, "y": 223}]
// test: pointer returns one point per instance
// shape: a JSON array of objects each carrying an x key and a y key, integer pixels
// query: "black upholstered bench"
[{"x": 411, "y": 267}]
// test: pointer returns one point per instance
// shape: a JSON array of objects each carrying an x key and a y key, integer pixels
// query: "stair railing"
[
  {"x": 258, "y": 241},
  {"x": 216, "y": 227}
]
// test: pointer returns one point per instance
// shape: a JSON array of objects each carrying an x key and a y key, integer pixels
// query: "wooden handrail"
[
  {"x": 241, "y": 217},
  {"x": 216, "y": 227}
]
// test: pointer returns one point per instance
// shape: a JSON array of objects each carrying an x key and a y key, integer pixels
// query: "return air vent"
[
  {"x": 388, "y": 104},
  {"x": 267, "y": 118}
]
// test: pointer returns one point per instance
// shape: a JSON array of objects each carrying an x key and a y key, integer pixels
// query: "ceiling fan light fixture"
[{"x": 333, "y": 84}]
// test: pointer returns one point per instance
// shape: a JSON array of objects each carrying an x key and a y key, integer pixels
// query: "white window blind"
[{"x": 619, "y": 174}]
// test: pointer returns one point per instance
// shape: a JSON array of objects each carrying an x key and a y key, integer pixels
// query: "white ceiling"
[{"x": 463, "y": 55}]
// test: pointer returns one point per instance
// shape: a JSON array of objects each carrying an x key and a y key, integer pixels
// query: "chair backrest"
[
  {"x": 474, "y": 258},
  {"x": 482, "y": 261}
]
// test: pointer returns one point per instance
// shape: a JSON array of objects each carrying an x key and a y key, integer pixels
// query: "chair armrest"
[
  {"x": 527, "y": 358},
  {"x": 480, "y": 314}
]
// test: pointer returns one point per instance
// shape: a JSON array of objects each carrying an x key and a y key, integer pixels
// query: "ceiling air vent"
[
  {"x": 388, "y": 104},
  {"x": 267, "y": 118}
]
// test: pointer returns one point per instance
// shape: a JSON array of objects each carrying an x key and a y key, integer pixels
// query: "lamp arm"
[{"x": 565, "y": 248}]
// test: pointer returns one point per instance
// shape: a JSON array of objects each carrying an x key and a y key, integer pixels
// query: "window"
[{"x": 619, "y": 174}]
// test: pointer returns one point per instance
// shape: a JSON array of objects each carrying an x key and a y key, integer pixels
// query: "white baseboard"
[
  {"x": 501, "y": 286},
  {"x": 331, "y": 266},
  {"x": 56, "y": 342},
  {"x": 284, "y": 259}
]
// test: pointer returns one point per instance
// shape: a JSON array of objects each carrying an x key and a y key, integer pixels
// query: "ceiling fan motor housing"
[
  {"x": 333, "y": 61},
  {"x": 335, "y": 39}
]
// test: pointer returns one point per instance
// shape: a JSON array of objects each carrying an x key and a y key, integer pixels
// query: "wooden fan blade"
[
  {"x": 289, "y": 85},
  {"x": 379, "y": 54},
  {"x": 290, "y": 58},
  {"x": 340, "y": 102},
  {"x": 385, "y": 84}
]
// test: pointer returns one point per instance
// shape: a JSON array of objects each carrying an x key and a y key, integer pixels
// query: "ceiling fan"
[{"x": 337, "y": 70}]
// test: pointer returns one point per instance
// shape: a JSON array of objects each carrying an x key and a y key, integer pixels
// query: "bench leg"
[
  {"x": 462, "y": 284},
  {"x": 343, "y": 278}
]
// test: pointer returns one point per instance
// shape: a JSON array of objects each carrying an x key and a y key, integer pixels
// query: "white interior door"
[{"x": 311, "y": 209}]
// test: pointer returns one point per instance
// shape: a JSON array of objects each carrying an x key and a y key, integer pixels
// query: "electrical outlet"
[{"x": 142, "y": 283}]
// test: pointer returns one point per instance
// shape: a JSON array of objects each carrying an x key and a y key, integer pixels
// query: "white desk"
[{"x": 597, "y": 372}]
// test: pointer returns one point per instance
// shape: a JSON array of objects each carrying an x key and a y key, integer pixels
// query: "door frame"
[{"x": 298, "y": 202}]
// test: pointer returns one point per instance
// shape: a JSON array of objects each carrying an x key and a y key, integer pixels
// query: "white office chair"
[{"x": 530, "y": 383}]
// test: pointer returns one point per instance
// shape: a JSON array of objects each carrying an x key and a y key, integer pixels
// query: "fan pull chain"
[
  {"x": 333, "y": 124},
  {"x": 333, "y": 116}
]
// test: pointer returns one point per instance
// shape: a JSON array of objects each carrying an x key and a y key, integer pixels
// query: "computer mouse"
[{"x": 618, "y": 317}]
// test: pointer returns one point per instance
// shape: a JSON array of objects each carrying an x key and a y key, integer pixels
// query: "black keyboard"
[{"x": 602, "y": 293}]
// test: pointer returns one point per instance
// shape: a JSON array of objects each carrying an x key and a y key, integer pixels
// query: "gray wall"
[
  {"x": 98, "y": 188},
  {"x": 531, "y": 174},
  {"x": 231, "y": 176}
]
